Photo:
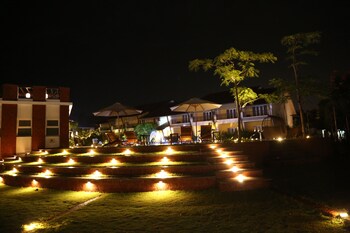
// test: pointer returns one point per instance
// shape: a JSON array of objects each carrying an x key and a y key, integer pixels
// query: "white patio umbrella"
[
  {"x": 194, "y": 105},
  {"x": 117, "y": 110}
]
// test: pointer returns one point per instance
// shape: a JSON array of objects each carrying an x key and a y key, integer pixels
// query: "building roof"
[
  {"x": 225, "y": 97},
  {"x": 158, "y": 109}
]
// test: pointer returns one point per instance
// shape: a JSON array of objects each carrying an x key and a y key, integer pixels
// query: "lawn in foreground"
[{"x": 162, "y": 211}]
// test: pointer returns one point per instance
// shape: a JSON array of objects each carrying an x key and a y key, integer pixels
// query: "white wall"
[
  {"x": 52, "y": 113},
  {"x": 24, "y": 112}
]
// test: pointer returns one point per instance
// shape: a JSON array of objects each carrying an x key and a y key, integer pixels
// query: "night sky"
[{"x": 138, "y": 52}]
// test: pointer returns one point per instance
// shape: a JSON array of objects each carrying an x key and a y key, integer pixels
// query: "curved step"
[{"x": 112, "y": 184}]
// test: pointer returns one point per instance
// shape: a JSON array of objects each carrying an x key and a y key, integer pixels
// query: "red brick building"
[{"x": 33, "y": 118}]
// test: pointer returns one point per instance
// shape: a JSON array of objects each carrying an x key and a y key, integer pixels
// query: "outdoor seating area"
[
  {"x": 186, "y": 135},
  {"x": 130, "y": 138},
  {"x": 206, "y": 134},
  {"x": 112, "y": 138}
]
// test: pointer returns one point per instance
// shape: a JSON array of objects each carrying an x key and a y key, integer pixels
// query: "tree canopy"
[{"x": 232, "y": 67}]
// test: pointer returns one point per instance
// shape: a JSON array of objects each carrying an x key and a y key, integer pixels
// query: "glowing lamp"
[
  {"x": 127, "y": 152},
  {"x": 33, "y": 226},
  {"x": 169, "y": 151},
  {"x": 160, "y": 185},
  {"x": 165, "y": 160},
  {"x": 71, "y": 161},
  {"x": 162, "y": 174},
  {"x": 219, "y": 150},
  {"x": 343, "y": 214},
  {"x": 47, "y": 173},
  {"x": 96, "y": 174},
  {"x": 40, "y": 160},
  {"x": 88, "y": 186},
  {"x": 35, "y": 183},
  {"x": 241, "y": 178},
  {"x": 235, "y": 169},
  {"x": 113, "y": 161},
  {"x": 14, "y": 170},
  {"x": 229, "y": 161}
]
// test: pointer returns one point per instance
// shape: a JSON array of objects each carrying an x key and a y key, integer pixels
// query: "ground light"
[
  {"x": 47, "y": 173},
  {"x": 161, "y": 185},
  {"x": 165, "y": 160},
  {"x": 241, "y": 178},
  {"x": 169, "y": 151},
  {"x": 90, "y": 187},
  {"x": 344, "y": 215},
  {"x": 71, "y": 161},
  {"x": 127, "y": 152},
  {"x": 235, "y": 169},
  {"x": 162, "y": 174},
  {"x": 96, "y": 175},
  {"x": 219, "y": 150},
  {"x": 64, "y": 152},
  {"x": 33, "y": 226},
  {"x": 35, "y": 183},
  {"x": 114, "y": 161},
  {"x": 229, "y": 161}
]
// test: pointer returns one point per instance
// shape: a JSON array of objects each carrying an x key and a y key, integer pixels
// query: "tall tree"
[
  {"x": 298, "y": 45},
  {"x": 233, "y": 66}
]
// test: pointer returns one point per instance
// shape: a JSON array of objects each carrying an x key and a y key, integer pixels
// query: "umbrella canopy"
[
  {"x": 195, "y": 105},
  {"x": 117, "y": 110}
]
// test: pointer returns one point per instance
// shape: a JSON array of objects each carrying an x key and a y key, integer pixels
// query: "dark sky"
[{"x": 138, "y": 52}]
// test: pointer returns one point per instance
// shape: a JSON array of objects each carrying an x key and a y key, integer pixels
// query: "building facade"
[
  {"x": 33, "y": 118},
  {"x": 257, "y": 117}
]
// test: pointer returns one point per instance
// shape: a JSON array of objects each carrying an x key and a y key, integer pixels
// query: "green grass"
[
  {"x": 164, "y": 211},
  {"x": 263, "y": 211}
]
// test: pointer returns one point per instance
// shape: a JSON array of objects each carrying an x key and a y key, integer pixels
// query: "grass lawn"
[
  {"x": 164, "y": 211},
  {"x": 280, "y": 209}
]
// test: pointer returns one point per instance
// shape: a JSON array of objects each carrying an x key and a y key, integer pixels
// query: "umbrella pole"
[{"x": 195, "y": 117}]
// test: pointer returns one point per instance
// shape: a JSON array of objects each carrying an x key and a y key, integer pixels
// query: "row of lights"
[
  {"x": 168, "y": 151},
  {"x": 229, "y": 161}
]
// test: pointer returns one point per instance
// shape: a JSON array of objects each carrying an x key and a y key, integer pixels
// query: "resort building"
[
  {"x": 33, "y": 118},
  {"x": 268, "y": 120}
]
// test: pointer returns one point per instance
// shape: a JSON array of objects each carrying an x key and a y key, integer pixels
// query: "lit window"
[
  {"x": 231, "y": 113},
  {"x": 24, "y": 128},
  {"x": 52, "y": 128}
]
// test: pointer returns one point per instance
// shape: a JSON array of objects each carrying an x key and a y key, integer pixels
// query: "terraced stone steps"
[{"x": 143, "y": 170}]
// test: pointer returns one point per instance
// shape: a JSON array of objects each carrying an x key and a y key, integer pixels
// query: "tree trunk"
[
  {"x": 299, "y": 100},
  {"x": 238, "y": 113}
]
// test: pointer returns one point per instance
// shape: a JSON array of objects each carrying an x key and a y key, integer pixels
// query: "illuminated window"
[
  {"x": 186, "y": 118},
  {"x": 208, "y": 116},
  {"x": 52, "y": 128},
  {"x": 24, "y": 128},
  {"x": 231, "y": 113},
  {"x": 260, "y": 110}
]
